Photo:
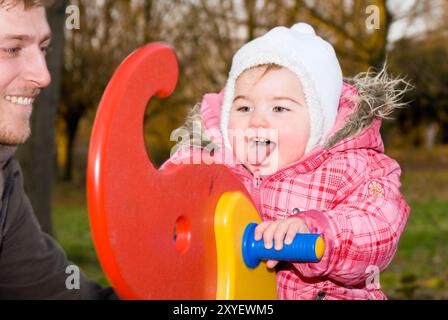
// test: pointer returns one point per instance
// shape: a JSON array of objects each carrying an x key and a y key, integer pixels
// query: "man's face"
[{"x": 24, "y": 38}]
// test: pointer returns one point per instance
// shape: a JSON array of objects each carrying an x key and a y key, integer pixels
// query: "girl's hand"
[{"x": 279, "y": 231}]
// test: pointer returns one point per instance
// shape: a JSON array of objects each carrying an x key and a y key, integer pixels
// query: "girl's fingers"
[
  {"x": 280, "y": 231},
  {"x": 260, "y": 229},
  {"x": 271, "y": 264},
  {"x": 291, "y": 233},
  {"x": 304, "y": 229},
  {"x": 279, "y": 234},
  {"x": 268, "y": 234}
]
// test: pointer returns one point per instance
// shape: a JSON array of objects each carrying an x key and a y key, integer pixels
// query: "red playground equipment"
[{"x": 171, "y": 234}]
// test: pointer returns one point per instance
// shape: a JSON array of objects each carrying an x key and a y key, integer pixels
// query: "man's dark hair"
[{"x": 28, "y": 3}]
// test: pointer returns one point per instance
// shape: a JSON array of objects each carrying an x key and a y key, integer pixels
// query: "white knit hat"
[{"x": 310, "y": 57}]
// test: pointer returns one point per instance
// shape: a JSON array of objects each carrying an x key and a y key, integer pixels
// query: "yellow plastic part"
[
  {"x": 320, "y": 247},
  {"x": 235, "y": 281}
]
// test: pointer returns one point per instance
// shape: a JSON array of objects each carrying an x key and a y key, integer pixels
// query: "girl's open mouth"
[{"x": 259, "y": 149}]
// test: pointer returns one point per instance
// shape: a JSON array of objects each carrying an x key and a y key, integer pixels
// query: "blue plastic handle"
[{"x": 302, "y": 249}]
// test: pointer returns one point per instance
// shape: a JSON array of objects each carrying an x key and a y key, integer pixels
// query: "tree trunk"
[
  {"x": 72, "y": 122},
  {"x": 37, "y": 156},
  {"x": 147, "y": 11}
]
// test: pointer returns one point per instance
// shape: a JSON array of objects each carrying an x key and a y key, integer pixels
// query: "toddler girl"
[{"x": 306, "y": 144}]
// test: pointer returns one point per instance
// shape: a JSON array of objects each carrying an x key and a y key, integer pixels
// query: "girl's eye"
[
  {"x": 243, "y": 109},
  {"x": 280, "y": 109}
]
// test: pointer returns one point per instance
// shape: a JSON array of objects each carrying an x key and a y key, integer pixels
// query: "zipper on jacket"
[
  {"x": 255, "y": 193},
  {"x": 257, "y": 179}
]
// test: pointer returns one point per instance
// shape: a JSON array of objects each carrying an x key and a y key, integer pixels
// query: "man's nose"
[{"x": 37, "y": 70}]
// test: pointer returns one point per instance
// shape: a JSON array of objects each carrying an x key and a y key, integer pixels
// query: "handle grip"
[{"x": 306, "y": 247}]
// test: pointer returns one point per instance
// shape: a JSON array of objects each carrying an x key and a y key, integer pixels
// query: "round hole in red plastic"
[{"x": 182, "y": 234}]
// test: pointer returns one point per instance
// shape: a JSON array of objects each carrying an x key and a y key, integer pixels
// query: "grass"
[
  {"x": 72, "y": 230},
  {"x": 418, "y": 271},
  {"x": 420, "y": 267}
]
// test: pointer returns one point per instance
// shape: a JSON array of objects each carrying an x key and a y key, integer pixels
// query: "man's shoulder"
[{"x": 14, "y": 204}]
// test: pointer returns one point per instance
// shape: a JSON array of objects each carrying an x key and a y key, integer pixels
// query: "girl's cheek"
[{"x": 235, "y": 123}]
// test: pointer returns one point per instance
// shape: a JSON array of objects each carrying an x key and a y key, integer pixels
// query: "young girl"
[{"x": 307, "y": 147}]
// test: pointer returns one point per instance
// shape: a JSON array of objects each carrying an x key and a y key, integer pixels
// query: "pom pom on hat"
[
  {"x": 310, "y": 57},
  {"x": 303, "y": 28}
]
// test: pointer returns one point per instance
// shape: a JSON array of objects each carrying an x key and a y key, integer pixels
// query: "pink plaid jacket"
[{"x": 350, "y": 193}]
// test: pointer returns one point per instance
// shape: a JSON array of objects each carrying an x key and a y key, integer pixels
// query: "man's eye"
[
  {"x": 45, "y": 50},
  {"x": 12, "y": 51},
  {"x": 280, "y": 109}
]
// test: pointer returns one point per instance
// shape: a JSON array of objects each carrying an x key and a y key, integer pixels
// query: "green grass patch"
[
  {"x": 419, "y": 270},
  {"x": 72, "y": 231},
  {"x": 420, "y": 267}
]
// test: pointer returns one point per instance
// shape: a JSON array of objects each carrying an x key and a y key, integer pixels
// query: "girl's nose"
[{"x": 259, "y": 120}]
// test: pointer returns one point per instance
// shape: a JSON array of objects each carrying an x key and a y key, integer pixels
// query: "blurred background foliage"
[
  {"x": 411, "y": 37},
  {"x": 205, "y": 34}
]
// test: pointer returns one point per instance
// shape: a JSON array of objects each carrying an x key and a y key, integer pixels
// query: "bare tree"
[
  {"x": 205, "y": 34},
  {"x": 109, "y": 31}
]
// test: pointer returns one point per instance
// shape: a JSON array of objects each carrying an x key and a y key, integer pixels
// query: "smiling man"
[
  {"x": 24, "y": 39},
  {"x": 32, "y": 265}
]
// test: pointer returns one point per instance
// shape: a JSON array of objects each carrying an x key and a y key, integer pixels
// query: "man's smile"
[{"x": 20, "y": 100}]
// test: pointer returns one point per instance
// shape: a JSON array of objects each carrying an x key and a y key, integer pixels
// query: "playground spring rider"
[{"x": 155, "y": 237}]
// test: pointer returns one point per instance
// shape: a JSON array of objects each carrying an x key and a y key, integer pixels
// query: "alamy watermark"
[
  {"x": 72, "y": 282},
  {"x": 197, "y": 146},
  {"x": 73, "y": 20},
  {"x": 373, "y": 279},
  {"x": 373, "y": 20}
]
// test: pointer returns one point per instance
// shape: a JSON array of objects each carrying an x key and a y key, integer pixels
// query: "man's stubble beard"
[{"x": 14, "y": 136}]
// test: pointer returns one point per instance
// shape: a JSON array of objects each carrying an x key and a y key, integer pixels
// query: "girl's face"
[{"x": 269, "y": 122}]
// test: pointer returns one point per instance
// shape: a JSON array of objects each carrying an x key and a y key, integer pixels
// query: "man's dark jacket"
[{"x": 32, "y": 264}]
